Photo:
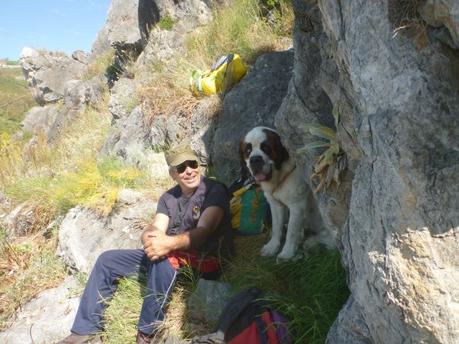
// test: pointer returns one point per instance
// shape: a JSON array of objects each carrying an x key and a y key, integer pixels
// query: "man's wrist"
[{"x": 143, "y": 237}]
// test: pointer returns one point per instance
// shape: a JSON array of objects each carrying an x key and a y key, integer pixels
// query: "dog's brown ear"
[
  {"x": 245, "y": 173},
  {"x": 279, "y": 154}
]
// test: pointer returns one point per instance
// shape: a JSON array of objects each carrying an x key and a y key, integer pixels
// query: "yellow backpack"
[{"x": 224, "y": 73}]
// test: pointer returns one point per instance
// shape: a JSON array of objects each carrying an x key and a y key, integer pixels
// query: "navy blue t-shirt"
[{"x": 173, "y": 204}]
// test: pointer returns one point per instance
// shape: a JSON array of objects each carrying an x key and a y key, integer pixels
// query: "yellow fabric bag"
[{"x": 225, "y": 73}]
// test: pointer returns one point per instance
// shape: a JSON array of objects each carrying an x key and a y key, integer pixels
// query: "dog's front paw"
[
  {"x": 286, "y": 254},
  {"x": 270, "y": 249}
]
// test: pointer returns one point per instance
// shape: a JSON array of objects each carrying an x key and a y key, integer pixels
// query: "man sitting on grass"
[{"x": 192, "y": 226}]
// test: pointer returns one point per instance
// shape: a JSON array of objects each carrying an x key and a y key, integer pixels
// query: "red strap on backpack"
[
  {"x": 261, "y": 331},
  {"x": 203, "y": 264}
]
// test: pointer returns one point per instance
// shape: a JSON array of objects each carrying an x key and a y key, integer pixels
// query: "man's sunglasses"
[{"x": 182, "y": 167}]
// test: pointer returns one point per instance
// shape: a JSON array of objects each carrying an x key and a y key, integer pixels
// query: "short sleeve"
[
  {"x": 162, "y": 207},
  {"x": 217, "y": 196}
]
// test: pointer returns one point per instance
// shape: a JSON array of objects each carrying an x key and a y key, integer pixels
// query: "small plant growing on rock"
[
  {"x": 166, "y": 22},
  {"x": 332, "y": 161}
]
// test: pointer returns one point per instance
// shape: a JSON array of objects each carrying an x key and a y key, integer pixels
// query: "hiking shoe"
[
  {"x": 143, "y": 338},
  {"x": 81, "y": 339}
]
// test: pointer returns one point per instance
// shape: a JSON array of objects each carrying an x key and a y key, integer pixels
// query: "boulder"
[
  {"x": 78, "y": 93},
  {"x": 252, "y": 102},
  {"x": 165, "y": 43},
  {"x": 50, "y": 119},
  {"x": 84, "y": 234},
  {"x": 206, "y": 303},
  {"x": 41, "y": 119},
  {"x": 45, "y": 319},
  {"x": 47, "y": 72}
]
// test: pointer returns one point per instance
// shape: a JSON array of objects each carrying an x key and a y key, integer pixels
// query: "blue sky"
[{"x": 58, "y": 25}]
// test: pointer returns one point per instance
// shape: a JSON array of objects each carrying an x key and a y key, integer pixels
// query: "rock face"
[
  {"x": 443, "y": 14},
  {"x": 84, "y": 234},
  {"x": 254, "y": 101},
  {"x": 50, "y": 119},
  {"x": 128, "y": 24},
  {"x": 46, "y": 73},
  {"x": 397, "y": 96},
  {"x": 45, "y": 319}
]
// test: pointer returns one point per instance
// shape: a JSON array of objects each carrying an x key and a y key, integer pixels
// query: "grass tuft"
[{"x": 166, "y": 22}]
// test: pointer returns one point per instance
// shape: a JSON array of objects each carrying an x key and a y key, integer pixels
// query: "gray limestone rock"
[
  {"x": 128, "y": 23},
  {"x": 84, "y": 234},
  {"x": 40, "y": 118},
  {"x": 129, "y": 140},
  {"x": 123, "y": 99},
  {"x": 52, "y": 118},
  {"x": 78, "y": 93},
  {"x": 396, "y": 211},
  {"x": 47, "y": 318},
  {"x": 207, "y": 301},
  {"x": 47, "y": 72},
  {"x": 81, "y": 56}
]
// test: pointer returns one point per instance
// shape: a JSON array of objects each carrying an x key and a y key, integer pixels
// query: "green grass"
[
  {"x": 123, "y": 311},
  {"x": 92, "y": 184},
  {"x": 15, "y": 99},
  {"x": 310, "y": 291},
  {"x": 237, "y": 28}
]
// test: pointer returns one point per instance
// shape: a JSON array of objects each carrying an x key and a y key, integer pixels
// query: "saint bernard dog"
[{"x": 284, "y": 188}]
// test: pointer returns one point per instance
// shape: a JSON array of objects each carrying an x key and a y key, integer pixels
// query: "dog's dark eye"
[
  {"x": 265, "y": 148},
  {"x": 248, "y": 149}
]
